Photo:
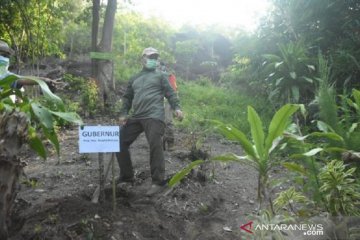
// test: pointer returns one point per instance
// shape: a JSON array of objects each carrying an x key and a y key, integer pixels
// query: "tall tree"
[
  {"x": 94, "y": 34},
  {"x": 104, "y": 67}
]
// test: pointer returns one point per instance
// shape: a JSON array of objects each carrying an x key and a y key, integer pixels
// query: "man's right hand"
[
  {"x": 179, "y": 115},
  {"x": 122, "y": 121}
]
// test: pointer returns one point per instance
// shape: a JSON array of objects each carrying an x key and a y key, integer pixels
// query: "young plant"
[
  {"x": 267, "y": 218},
  {"x": 289, "y": 199},
  {"x": 260, "y": 148},
  {"x": 330, "y": 119},
  {"x": 182, "y": 173},
  {"x": 340, "y": 189}
]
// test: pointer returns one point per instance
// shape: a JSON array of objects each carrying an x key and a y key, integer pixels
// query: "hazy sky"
[{"x": 244, "y": 13}]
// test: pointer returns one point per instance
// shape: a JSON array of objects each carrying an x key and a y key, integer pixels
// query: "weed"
[{"x": 32, "y": 182}]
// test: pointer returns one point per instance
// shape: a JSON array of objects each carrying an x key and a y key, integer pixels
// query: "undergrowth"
[{"x": 203, "y": 100}]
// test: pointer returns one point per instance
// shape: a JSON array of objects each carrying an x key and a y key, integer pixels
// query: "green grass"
[{"x": 203, "y": 101}]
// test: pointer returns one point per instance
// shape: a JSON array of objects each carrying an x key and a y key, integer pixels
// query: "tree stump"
[{"x": 13, "y": 134}]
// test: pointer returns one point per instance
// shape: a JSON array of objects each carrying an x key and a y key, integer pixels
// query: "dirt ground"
[{"x": 54, "y": 201}]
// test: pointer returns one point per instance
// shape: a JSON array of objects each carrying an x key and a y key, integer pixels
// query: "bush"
[
  {"x": 206, "y": 101},
  {"x": 85, "y": 91}
]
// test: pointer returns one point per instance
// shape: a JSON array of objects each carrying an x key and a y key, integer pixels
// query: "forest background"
[{"x": 303, "y": 53}]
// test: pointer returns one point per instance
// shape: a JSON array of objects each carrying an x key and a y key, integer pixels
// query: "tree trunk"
[
  {"x": 94, "y": 34},
  {"x": 13, "y": 133},
  {"x": 105, "y": 67}
]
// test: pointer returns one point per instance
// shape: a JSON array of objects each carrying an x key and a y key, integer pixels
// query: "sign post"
[{"x": 100, "y": 139}]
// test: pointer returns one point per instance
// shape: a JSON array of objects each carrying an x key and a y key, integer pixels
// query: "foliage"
[
  {"x": 266, "y": 218},
  {"x": 290, "y": 73},
  {"x": 86, "y": 90},
  {"x": 289, "y": 198},
  {"x": 289, "y": 24},
  {"x": 90, "y": 96},
  {"x": 260, "y": 149},
  {"x": 33, "y": 27},
  {"x": 333, "y": 112},
  {"x": 77, "y": 39},
  {"x": 185, "y": 51},
  {"x": 39, "y": 116},
  {"x": 203, "y": 100},
  {"x": 182, "y": 173},
  {"x": 133, "y": 33},
  {"x": 340, "y": 189},
  {"x": 326, "y": 96}
]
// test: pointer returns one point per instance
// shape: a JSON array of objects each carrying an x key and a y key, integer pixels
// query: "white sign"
[{"x": 95, "y": 139}]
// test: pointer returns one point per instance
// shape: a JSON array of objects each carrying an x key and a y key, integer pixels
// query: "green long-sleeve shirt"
[{"x": 145, "y": 94}]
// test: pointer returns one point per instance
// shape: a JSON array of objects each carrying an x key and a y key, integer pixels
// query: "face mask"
[
  {"x": 4, "y": 65},
  {"x": 151, "y": 63}
]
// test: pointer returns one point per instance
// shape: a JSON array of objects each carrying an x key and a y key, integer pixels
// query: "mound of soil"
[{"x": 55, "y": 197}]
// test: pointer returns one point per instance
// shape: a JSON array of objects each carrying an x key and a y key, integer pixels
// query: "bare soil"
[{"x": 54, "y": 201}]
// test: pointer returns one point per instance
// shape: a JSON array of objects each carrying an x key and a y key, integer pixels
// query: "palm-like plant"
[
  {"x": 289, "y": 73},
  {"x": 329, "y": 110},
  {"x": 260, "y": 149}
]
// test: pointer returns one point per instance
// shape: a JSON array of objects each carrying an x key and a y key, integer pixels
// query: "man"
[
  {"x": 5, "y": 53},
  {"x": 169, "y": 136},
  {"x": 145, "y": 96}
]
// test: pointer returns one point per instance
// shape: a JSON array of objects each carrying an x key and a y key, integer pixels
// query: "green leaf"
[
  {"x": 308, "y": 79},
  {"x": 324, "y": 127},
  {"x": 353, "y": 127},
  {"x": 278, "y": 64},
  {"x": 278, "y": 81},
  {"x": 35, "y": 143},
  {"x": 295, "y": 93},
  {"x": 328, "y": 135},
  {"x": 8, "y": 81},
  {"x": 51, "y": 135},
  {"x": 47, "y": 92},
  {"x": 69, "y": 116},
  {"x": 294, "y": 167},
  {"x": 235, "y": 158},
  {"x": 43, "y": 115},
  {"x": 228, "y": 158},
  {"x": 275, "y": 143},
  {"x": 279, "y": 123},
  {"x": 312, "y": 152},
  {"x": 335, "y": 149},
  {"x": 293, "y": 75},
  {"x": 303, "y": 110},
  {"x": 311, "y": 67},
  {"x": 272, "y": 57},
  {"x": 182, "y": 173},
  {"x": 232, "y": 133},
  {"x": 356, "y": 95},
  {"x": 257, "y": 131},
  {"x": 4, "y": 93}
]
